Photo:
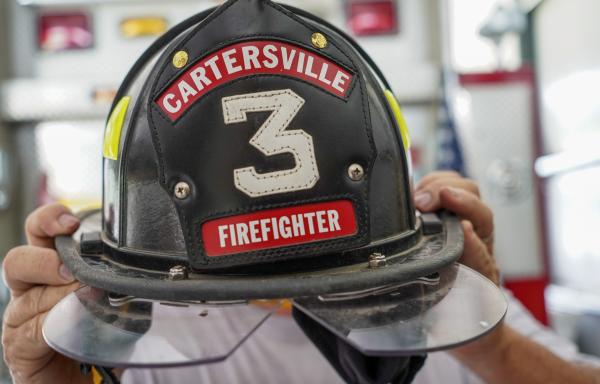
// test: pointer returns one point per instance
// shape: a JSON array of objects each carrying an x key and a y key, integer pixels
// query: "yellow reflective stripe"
[
  {"x": 96, "y": 376},
  {"x": 112, "y": 134},
  {"x": 391, "y": 99}
]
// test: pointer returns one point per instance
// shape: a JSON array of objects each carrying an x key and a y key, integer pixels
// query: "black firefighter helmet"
[{"x": 256, "y": 151}]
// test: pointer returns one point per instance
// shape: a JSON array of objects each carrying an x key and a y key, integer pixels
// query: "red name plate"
[
  {"x": 252, "y": 58},
  {"x": 280, "y": 227}
]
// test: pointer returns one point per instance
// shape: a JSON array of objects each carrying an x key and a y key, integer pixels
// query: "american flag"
[{"x": 449, "y": 154}]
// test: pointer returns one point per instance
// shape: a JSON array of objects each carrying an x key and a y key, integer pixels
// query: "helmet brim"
[{"x": 430, "y": 254}]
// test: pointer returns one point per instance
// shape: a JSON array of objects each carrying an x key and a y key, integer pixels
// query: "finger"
[
  {"x": 427, "y": 199},
  {"x": 46, "y": 222},
  {"x": 436, "y": 175},
  {"x": 27, "y": 266},
  {"x": 469, "y": 207},
  {"x": 476, "y": 256},
  {"x": 474, "y": 250},
  {"x": 35, "y": 301},
  {"x": 449, "y": 181}
]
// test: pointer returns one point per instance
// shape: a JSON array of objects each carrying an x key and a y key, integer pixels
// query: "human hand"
[
  {"x": 450, "y": 191},
  {"x": 38, "y": 280}
]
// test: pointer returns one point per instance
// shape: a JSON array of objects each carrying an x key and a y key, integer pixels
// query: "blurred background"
[{"x": 506, "y": 92}]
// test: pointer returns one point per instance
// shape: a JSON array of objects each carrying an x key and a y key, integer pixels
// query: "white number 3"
[{"x": 272, "y": 139}]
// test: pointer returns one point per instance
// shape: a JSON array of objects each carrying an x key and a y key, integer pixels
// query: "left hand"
[{"x": 450, "y": 191}]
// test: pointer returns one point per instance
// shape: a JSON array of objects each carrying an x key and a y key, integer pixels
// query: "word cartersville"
[{"x": 251, "y": 58}]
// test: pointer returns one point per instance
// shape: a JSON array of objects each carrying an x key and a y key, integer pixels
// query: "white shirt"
[{"x": 280, "y": 353}]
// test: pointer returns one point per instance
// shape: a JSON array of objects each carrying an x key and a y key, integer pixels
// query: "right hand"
[{"x": 38, "y": 280}]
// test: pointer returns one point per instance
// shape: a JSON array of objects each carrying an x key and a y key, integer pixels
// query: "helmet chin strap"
[{"x": 352, "y": 365}]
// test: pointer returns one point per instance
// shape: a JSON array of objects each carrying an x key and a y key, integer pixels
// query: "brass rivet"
[
  {"x": 318, "y": 40},
  {"x": 180, "y": 59}
]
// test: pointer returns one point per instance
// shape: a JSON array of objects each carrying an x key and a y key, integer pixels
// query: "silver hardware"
[
  {"x": 182, "y": 190},
  {"x": 117, "y": 300},
  {"x": 356, "y": 172},
  {"x": 377, "y": 260},
  {"x": 386, "y": 289},
  {"x": 178, "y": 272}
]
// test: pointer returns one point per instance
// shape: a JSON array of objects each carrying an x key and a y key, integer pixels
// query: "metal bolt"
[
  {"x": 377, "y": 260},
  {"x": 180, "y": 59},
  {"x": 318, "y": 40},
  {"x": 182, "y": 190},
  {"x": 356, "y": 172},
  {"x": 178, "y": 272}
]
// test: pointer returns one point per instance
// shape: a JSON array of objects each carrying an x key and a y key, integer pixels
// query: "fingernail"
[
  {"x": 423, "y": 199},
  {"x": 68, "y": 221},
  {"x": 455, "y": 192},
  {"x": 64, "y": 272}
]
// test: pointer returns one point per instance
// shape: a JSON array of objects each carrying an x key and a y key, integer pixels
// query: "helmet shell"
[{"x": 255, "y": 121}]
